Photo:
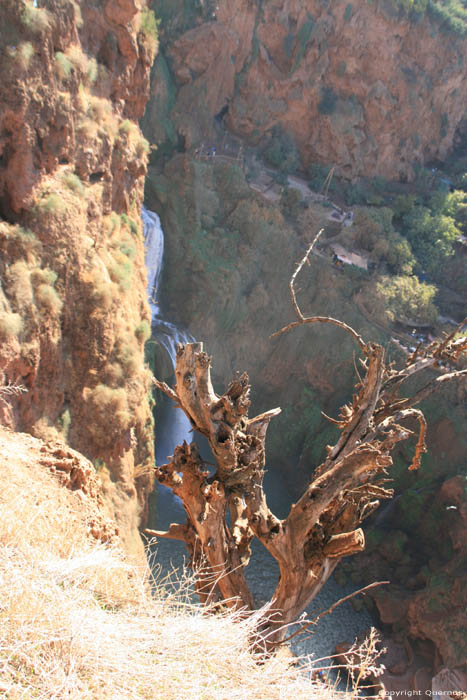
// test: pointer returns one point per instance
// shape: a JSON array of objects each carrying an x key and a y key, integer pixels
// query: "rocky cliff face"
[
  {"x": 73, "y": 311},
  {"x": 358, "y": 85}
]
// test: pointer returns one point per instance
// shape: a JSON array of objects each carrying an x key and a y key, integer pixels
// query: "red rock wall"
[
  {"x": 358, "y": 86},
  {"x": 73, "y": 310}
]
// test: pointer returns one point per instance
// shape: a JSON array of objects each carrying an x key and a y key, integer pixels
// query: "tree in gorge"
[{"x": 227, "y": 509}]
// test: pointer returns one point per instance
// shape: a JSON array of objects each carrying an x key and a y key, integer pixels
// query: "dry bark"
[{"x": 323, "y": 526}]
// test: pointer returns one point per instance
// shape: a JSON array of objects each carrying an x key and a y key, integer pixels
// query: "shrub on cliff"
[
  {"x": 36, "y": 19},
  {"x": 282, "y": 152},
  {"x": 10, "y": 325},
  {"x": 107, "y": 406},
  {"x": 143, "y": 331},
  {"x": 451, "y": 14},
  {"x": 45, "y": 294},
  {"x": 328, "y": 101},
  {"x": 149, "y": 28}
]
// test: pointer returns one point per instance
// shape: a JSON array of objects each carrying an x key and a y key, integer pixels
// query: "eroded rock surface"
[
  {"x": 358, "y": 85},
  {"x": 73, "y": 310}
]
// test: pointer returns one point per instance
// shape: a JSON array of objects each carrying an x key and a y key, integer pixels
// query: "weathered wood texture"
[{"x": 323, "y": 526}]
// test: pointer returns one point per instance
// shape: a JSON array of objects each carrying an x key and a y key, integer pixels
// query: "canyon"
[{"x": 356, "y": 86}]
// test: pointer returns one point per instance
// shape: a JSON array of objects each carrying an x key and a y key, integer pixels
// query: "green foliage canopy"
[{"x": 406, "y": 298}]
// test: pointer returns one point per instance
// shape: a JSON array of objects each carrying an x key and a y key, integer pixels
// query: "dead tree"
[{"x": 323, "y": 526}]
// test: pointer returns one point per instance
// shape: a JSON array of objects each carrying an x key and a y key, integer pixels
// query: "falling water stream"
[{"x": 172, "y": 428}]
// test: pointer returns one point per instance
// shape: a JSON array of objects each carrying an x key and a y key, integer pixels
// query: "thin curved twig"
[
  {"x": 296, "y": 273},
  {"x": 314, "y": 319}
]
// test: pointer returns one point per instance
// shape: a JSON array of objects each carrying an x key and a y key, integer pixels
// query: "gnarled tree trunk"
[{"x": 323, "y": 526}]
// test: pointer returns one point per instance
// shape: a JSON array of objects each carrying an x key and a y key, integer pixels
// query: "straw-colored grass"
[{"x": 77, "y": 621}]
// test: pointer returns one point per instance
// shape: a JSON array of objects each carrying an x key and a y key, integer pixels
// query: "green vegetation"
[
  {"x": 73, "y": 182},
  {"x": 121, "y": 272},
  {"x": 300, "y": 427},
  {"x": 348, "y": 13},
  {"x": 24, "y": 54},
  {"x": 304, "y": 37},
  {"x": 127, "y": 249},
  {"x": 36, "y": 19},
  {"x": 150, "y": 29},
  {"x": 143, "y": 147},
  {"x": 282, "y": 152},
  {"x": 408, "y": 299},
  {"x": 62, "y": 65},
  {"x": 45, "y": 294},
  {"x": 130, "y": 223},
  {"x": 143, "y": 331},
  {"x": 127, "y": 354},
  {"x": 64, "y": 423},
  {"x": 432, "y": 228},
  {"x": 126, "y": 126},
  {"x": 451, "y": 15},
  {"x": 328, "y": 101},
  {"x": 50, "y": 205}
]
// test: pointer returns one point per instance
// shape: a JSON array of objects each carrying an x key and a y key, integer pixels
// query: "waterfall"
[{"x": 173, "y": 426}]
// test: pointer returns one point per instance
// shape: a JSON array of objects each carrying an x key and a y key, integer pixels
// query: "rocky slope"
[
  {"x": 358, "y": 85},
  {"x": 73, "y": 311}
]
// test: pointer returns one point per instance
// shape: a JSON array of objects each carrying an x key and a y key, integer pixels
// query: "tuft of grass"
[
  {"x": 110, "y": 406},
  {"x": 143, "y": 331},
  {"x": 150, "y": 29},
  {"x": 128, "y": 355},
  {"x": 126, "y": 127},
  {"x": 44, "y": 276},
  {"x": 143, "y": 147},
  {"x": 24, "y": 54},
  {"x": 73, "y": 182},
  {"x": 19, "y": 284},
  {"x": 77, "y": 14},
  {"x": 36, "y": 19},
  {"x": 130, "y": 223},
  {"x": 88, "y": 129},
  {"x": 92, "y": 71},
  {"x": 26, "y": 236},
  {"x": 64, "y": 423},
  {"x": 78, "y": 621},
  {"x": 101, "y": 290},
  {"x": 113, "y": 375},
  {"x": 78, "y": 58},
  {"x": 46, "y": 296},
  {"x": 10, "y": 325},
  {"x": 50, "y": 205},
  {"x": 121, "y": 272},
  {"x": 127, "y": 249},
  {"x": 48, "y": 300},
  {"x": 62, "y": 66}
]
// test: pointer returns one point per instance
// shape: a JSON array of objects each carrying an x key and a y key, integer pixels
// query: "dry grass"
[
  {"x": 10, "y": 325},
  {"x": 76, "y": 621}
]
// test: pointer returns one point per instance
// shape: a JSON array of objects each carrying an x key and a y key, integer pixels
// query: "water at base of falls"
[{"x": 172, "y": 429}]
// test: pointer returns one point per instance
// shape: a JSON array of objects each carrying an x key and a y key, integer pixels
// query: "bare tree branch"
[
  {"x": 313, "y": 319},
  {"x": 323, "y": 526}
]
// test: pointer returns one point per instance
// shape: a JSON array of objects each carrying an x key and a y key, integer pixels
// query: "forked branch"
[{"x": 227, "y": 508}]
